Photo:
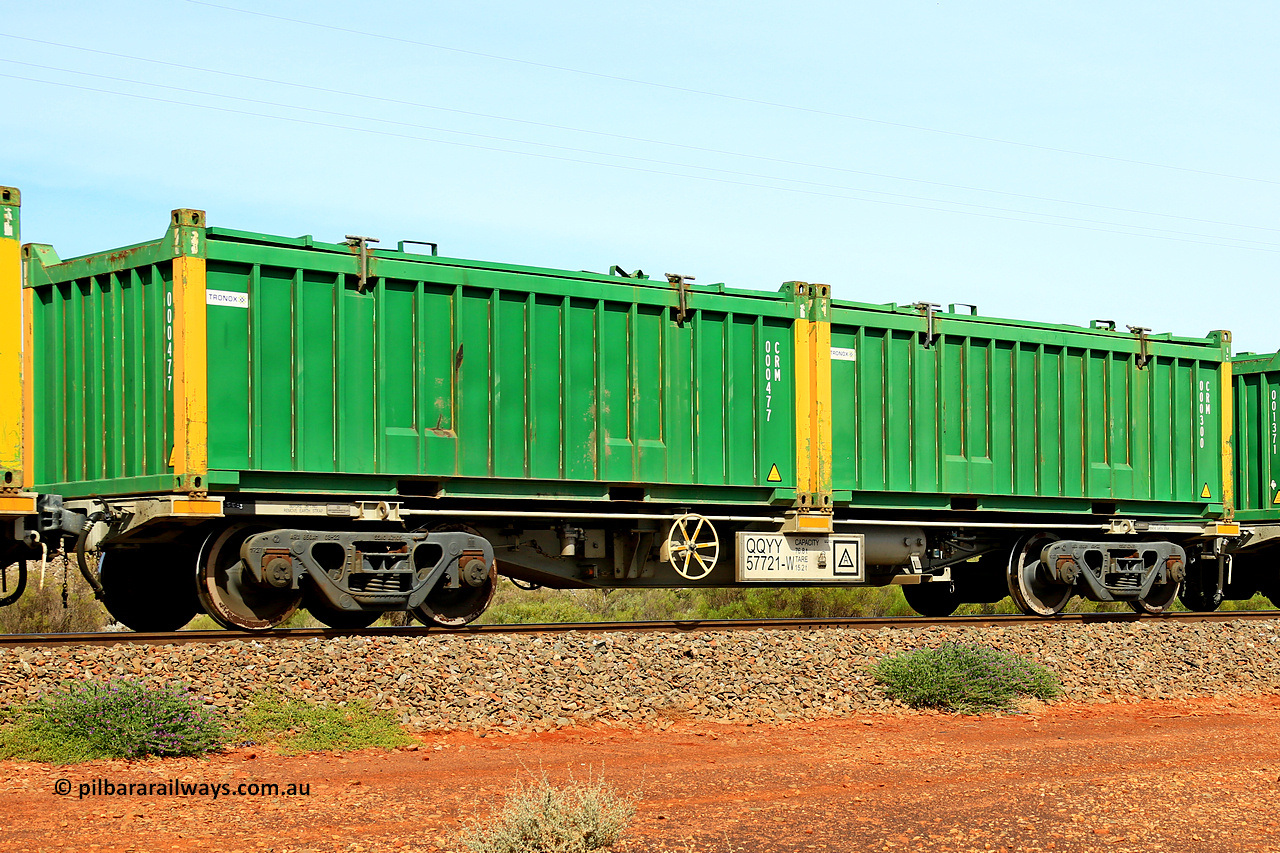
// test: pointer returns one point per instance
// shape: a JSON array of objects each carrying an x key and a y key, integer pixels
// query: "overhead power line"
[
  {"x": 604, "y": 134},
  {"x": 1209, "y": 240},
  {"x": 648, "y": 160},
  {"x": 729, "y": 97}
]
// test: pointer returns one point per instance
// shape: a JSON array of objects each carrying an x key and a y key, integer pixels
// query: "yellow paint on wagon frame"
[
  {"x": 197, "y": 507},
  {"x": 22, "y": 504}
]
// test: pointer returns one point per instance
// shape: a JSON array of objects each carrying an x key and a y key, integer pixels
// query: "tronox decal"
[{"x": 229, "y": 298}]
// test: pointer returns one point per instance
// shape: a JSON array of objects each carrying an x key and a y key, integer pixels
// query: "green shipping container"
[
  {"x": 1257, "y": 456},
  {"x": 232, "y": 361},
  {"x": 948, "y": 410}
]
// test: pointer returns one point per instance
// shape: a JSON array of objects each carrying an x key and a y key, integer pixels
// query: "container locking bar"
[
  {"x": 1141, "y": 332},
  {"x": 680, "y": 281},
  {"x": 362, "y": 243},
  {"x": 928, "y": 309}
]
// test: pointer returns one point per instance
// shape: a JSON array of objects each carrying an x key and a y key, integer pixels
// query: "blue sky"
[{"x": 1052, "y": 161}]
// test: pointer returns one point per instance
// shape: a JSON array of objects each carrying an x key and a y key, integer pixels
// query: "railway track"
[{"x": 675, "y": 627}]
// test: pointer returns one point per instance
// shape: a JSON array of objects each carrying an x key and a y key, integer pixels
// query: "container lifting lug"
[
  {"x": 928, "y": 309},
  {"x": 680, "y": 281},
  {"x": 435, "y": 247},
  {"x": 362, "y": 243},
  {"x": 1141, "y": 332},
  {"x": 621, "y": 273}
]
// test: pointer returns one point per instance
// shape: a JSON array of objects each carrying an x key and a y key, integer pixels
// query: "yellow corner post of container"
[
  {"x": 1227, "y": 409},
  {"x": 190, "y": 457},
  {"x": 813, "y": 393},
  {"x": 820, "y": 347},
  {"x": 804, "y": 387},
  {"x": 12, "y": 335}
]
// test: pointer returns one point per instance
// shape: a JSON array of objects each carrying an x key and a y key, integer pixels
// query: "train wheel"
[
  {"x": 327, "y": 614},
  {"x": 1158, "y": 600},
  {"x": 149, "y": 588},
  {"x": 1035, "y": 593},
  {"x": 935, "y": 598},
  {"x": 1200, "y": 590},
  {"x": 453, "y": 608},
  {"x": 230, "y": 595}
]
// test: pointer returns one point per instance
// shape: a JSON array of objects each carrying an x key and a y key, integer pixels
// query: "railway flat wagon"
[
  {"x": 271, "y": 416},
  {"x": 246, "y": 424},
  {"x": 950, "y": 415}
]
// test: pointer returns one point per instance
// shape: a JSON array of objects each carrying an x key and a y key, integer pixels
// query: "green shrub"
[
  {"x": 115, "y": 720},
  {"x": 515, "y": 606},
  {"x": 32, "y": 738},
  {"x": 295, "y": 725},
  {"x": 800, "y": 602},
  {"x": 41, "y": 610},
  {"x": 963, "y": 678},
  {"x": 542, "y": 818}
]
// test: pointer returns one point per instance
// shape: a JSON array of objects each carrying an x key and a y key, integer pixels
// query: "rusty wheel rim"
[
  {"x": 453, "y": 608},
  {"x": 229, "y": 595},
  {"x": 1029, "y": 585}
]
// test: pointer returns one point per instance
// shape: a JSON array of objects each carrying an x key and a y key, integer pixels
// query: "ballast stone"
[{"x": 648, "y": 679}]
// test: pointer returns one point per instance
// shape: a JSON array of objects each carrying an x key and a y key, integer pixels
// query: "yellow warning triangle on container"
[
  {"x": 1277, "y": 500},
  {"x": 1205, "y": 493},
  {"x": 774, "y": 476}
]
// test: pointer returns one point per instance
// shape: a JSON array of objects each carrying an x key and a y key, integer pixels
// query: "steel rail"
[{"x": 675, "y": 627}]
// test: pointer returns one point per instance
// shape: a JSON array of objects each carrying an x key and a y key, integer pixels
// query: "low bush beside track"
[
  {"x": 964, "y": 678},
  {"x": 81, "y": 722},
  {"x": 297, "y": 726},
  {"x": 126, "y": 719},
  {"x": 539, "y": 817}
]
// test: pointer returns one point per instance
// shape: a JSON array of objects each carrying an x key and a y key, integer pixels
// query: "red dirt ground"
[{"x": 1156, "y": 776}]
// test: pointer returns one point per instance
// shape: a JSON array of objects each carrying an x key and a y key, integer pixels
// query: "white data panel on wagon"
[{"x": 783, "y": 557}]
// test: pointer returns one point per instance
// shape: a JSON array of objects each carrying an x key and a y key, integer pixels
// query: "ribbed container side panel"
[
  {"x": 989, "y": 409},
  {"x": 101, "y": 362},
  {"x": 1257, "y": 437},
  {"x": 437, "y": 372}
]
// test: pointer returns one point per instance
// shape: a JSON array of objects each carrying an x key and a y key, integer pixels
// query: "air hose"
[{"x": 89, "y": 575}]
